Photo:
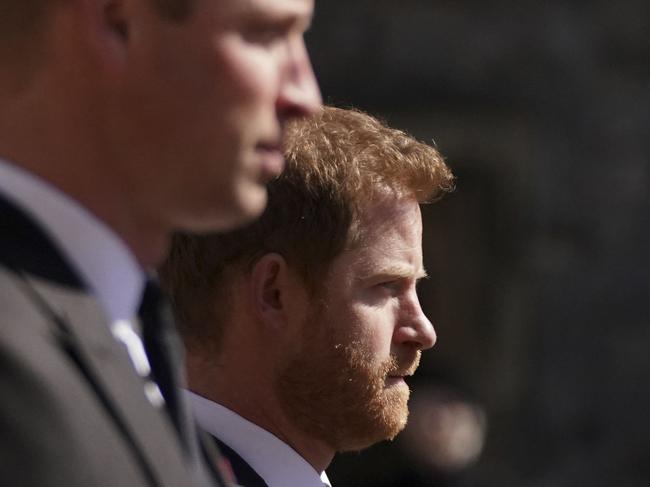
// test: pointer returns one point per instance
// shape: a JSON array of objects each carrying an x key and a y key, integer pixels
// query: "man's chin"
[
  {"x": 389, "y": 420},
  {"x": 388, "y": 430},
  {"x": 246, "y": 204},
  {"x": 242, "y": 207},
  {"x": 252, "y": 199},
  {"x": 394, "y": 409}
]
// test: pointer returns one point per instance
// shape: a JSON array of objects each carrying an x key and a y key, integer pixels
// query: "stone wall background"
[{"x": 540, "y": 268}]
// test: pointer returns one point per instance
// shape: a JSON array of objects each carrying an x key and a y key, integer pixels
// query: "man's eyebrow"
[
  {"x": 298, "y": 20},
  {"x": 393, "y": 272}
]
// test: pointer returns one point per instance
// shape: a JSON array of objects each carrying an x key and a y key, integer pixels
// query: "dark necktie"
[
  {"x": 165, "y": 353},
  {"x": 161, "y": 344}
]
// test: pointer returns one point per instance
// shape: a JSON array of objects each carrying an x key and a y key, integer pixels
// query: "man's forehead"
[
  {"x": 390, "y": 242},
  {"x": 394, "y": 256}
]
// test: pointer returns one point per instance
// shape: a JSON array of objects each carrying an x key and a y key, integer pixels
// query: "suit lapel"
[
  {"x": 106, "y": 366},
  {"x": 83, "y": 333}
]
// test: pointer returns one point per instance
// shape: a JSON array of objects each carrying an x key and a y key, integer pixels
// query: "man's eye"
[
  {"x": 389, "y": 286},
  {"x": 264, "y": 35}
]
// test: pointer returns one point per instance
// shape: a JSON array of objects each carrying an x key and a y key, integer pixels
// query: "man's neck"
[
  {"x": 147, "y": 241},
  {"x": 61, "y": 140},
  {"x": 260, "y": 406}
]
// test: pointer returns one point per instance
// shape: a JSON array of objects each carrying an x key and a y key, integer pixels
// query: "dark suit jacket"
[
  {"x": 244, "y": 473},
  {"x": 72, "y": 409}
]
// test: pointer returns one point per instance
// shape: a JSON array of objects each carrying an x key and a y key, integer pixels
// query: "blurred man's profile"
[{"x": 122, "y": 121}]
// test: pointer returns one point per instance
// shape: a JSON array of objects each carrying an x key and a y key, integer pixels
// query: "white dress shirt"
[
  {"x": 97, "y": 254},
  {"x": 273, "y": 460}
]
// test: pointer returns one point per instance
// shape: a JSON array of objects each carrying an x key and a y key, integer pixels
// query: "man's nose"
[
  {"x": 299, "y": 94},
  {"x": 415, "y": 328}
]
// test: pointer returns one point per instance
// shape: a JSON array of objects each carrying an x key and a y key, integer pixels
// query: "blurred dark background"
[{"x": 539, "y": 263}]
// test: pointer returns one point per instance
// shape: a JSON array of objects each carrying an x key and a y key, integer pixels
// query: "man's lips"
[
  {"x": 270, "y": 146},
  {"x": 393, "y": 380},
  {"x": 400, "y": 373},
  {"x": 404, "y": 371},
  {"x": 397, "y": 377},
  {"x": 404, "y": 366},
  {"x": 271, "y": 159}
]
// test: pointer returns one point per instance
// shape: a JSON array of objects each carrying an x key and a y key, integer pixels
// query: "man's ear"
[
  {"x": 103, "y": 26},
  {"x": 115, "y": 30},
  {"x": 115, "y": 18},
  {"x": 270, "y": 282}
]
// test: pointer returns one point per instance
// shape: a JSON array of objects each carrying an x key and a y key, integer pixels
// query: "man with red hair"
[{"x": 301, "y": 328}]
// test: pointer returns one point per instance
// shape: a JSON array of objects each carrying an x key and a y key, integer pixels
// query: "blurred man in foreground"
[
  {"x": 301, "y": 328},
  {"x": 121, "y": 121}
]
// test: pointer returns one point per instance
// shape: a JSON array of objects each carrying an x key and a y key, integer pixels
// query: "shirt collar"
[
  {"x": 273, "y": 460},
  {"x": 100, "y": 257}
]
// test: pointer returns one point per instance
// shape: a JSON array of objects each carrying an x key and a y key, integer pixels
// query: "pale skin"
[
  {"x": 371, "y": 291},
  {"x": 156, "y": 126}
]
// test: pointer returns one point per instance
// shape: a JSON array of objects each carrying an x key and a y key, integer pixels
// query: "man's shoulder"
[
  {"x": 45, "y": 401},
  {"x": 70, "y": 405}
]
